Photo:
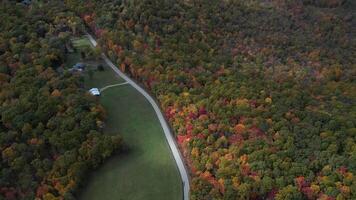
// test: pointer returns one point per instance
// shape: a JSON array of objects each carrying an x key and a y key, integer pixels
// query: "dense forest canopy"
[
  {"x": 260, "y": 94},
  {"x": 49, "y": 133}
]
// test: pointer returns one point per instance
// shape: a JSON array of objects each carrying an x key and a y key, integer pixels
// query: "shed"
[
  {"x": 79, "y": 67},
  {"x": 94, "y": 92},
  {"x": 26, "y": 2}
]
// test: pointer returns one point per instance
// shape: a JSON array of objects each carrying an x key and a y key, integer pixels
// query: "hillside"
[
  {"x": 261, "y": 94},
  {"x": 50, "y": 138}
]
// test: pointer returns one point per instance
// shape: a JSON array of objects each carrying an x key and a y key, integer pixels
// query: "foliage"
[
  {"x": 260, "y": 94},
  {"x": 49, "y": 134}
]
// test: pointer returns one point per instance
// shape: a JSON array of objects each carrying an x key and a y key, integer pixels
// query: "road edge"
[{"x": 167, "y": 132}]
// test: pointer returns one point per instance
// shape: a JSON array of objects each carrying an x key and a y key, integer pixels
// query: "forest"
[
  {"x": 50, "y": 133},
  {"x": 260, "y": 94}
]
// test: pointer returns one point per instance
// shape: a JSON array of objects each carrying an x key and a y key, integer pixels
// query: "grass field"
[
  {"x": 99, "y": 78},
  {"x": 81, "y": 42},
  {"x": 78, "y": 43},
  {"x": 147, "y": 171}
]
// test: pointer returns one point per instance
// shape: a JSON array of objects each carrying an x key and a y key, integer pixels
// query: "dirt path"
[{"x": 110, "y": 86}]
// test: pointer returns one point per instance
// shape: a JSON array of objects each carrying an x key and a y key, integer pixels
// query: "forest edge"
[{"x": 167, "y": 131}]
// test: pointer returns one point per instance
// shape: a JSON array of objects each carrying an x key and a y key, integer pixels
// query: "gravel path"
[
  {"x": 169, "y": 136},
  {"x": 110, "y": 86}
]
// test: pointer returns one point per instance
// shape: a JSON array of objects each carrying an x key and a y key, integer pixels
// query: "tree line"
[{"x": 50, "y": 135}]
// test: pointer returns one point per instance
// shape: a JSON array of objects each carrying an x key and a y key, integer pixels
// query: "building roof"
[
  {"x": 79, "y": 65},
  {"x": 26, "y": 2},
  {"x": 94, "y": 91}
]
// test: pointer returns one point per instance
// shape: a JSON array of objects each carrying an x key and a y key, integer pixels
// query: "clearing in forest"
[{"x": 147, "y": 170}]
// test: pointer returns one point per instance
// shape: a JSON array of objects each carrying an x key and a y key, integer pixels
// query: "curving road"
[{"x": 164, "y": 125}]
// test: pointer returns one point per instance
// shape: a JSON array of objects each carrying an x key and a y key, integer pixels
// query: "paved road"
[{"x": 167, "y": 131}]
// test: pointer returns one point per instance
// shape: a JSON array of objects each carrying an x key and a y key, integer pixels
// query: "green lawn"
[
  {"x": 147, "y": 171},
  {"x": 72, "y": 59},
  {"x": 81, "y": 42},
  {"x": 99, "y": 78}
]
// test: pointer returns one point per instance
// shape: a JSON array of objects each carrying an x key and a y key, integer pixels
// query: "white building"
[{"x": 94, "y": 92}]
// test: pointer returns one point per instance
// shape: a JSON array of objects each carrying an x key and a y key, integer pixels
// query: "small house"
[
  {"x": 26, "y": 2},
  {"x": 78, "y": 67},
  {"x": 94, "y": 92}
]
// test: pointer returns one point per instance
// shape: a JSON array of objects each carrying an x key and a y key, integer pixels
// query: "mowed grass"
[
  {"x": 100, "y": 78},
  {"x": 147, "y": 171},
  {"x": 81, "y": 42}
]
